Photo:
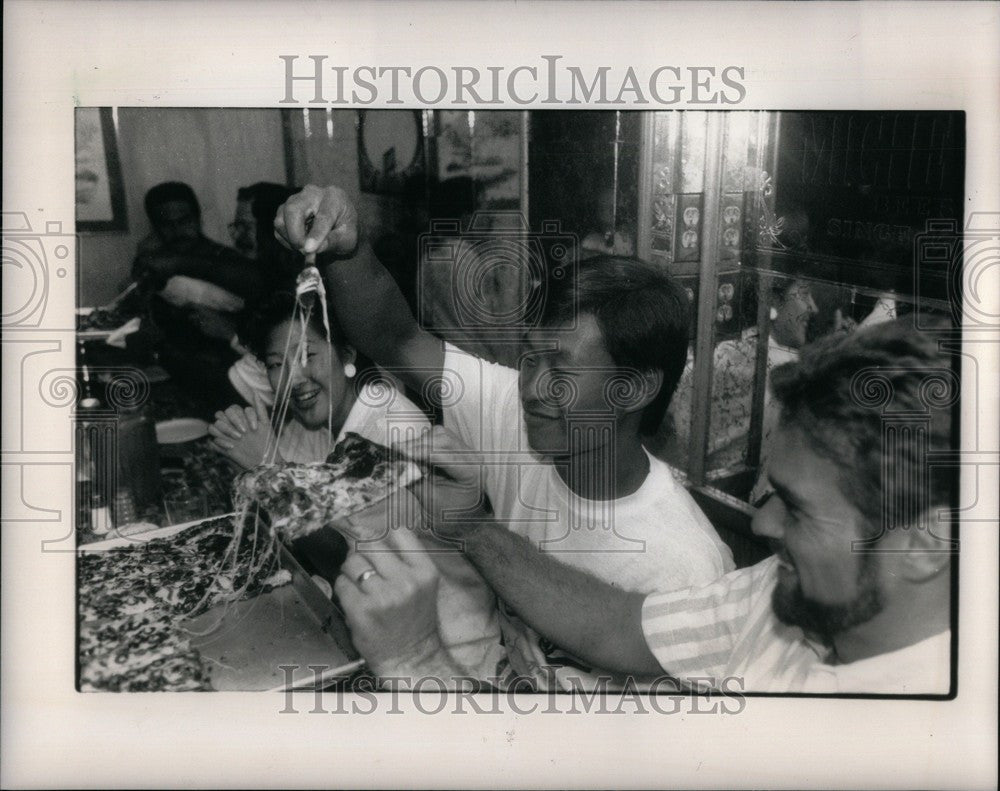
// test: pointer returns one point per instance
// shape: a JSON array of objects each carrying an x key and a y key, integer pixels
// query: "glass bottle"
[
  {"x": 125, "y": 510},
  {"x": 100, "y": 516},
  {"x": 138, "y": 455}
]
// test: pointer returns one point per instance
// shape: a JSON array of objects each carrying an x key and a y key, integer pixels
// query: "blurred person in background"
[
  {"x": 195, "y": 290},
  {"x": 252, "y": 232},
  {"x": 733, "y": 368}
]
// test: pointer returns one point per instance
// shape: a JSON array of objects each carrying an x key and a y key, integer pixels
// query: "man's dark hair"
[
  {"x": 168, "y": 192},
  {"x": 265, "y": 197},
  {"x": 840, "y": 393},
  {"x": 643, "y": 313}
]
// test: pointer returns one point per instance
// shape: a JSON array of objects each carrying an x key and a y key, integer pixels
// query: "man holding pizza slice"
[{"x": 555, "y": 445}]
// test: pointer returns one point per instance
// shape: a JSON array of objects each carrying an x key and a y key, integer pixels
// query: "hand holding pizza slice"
[{"x": 451, "y": 493}]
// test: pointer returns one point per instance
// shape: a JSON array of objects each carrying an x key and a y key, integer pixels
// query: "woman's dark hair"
[
  {"x": 263, "y": 316},
  {"x": 643, "y": 313}
]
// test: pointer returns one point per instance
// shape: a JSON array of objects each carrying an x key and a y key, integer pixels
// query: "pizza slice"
[
  {"x": 121, "y": 647},
  {"x": 302, "y": 498}
]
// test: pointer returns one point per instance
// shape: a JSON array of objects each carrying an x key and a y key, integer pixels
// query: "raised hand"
[{"x": 318, "y": 220}]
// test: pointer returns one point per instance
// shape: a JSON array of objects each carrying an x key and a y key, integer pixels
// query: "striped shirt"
[{"x": 728, "y": 630}]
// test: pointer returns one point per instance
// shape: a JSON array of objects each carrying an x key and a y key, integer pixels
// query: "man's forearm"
[
  {"x": 376, "y": 317},
  {"x": 581, "y": 614},
  {"x": 237, "y": 275}
]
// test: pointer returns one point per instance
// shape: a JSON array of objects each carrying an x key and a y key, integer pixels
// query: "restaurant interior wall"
[{"x": 214, "y": 150}]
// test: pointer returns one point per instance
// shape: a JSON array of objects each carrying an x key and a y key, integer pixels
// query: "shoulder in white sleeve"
[{"x": 479, "y": 399}]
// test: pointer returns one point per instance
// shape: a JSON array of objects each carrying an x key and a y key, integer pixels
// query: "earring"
[
  {"x": 774, "y": 313},
  {"x": 350, "y": 370}
]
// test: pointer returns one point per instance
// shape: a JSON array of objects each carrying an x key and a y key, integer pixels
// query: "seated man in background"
[
  {"x": 857, "y": 598},
  {"x": 177, "y": 245},
  {"x": 197, "y": 289},
  {"x": 566, "y": 471},
  {"x": 252, "y": 232}
]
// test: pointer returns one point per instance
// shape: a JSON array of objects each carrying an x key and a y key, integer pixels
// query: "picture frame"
[
  {"x": 100, "y": 190},
  {"x": 390, "y": 150}
]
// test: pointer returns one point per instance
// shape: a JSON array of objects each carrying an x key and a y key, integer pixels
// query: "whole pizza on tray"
[
  {"x": 303, "y": 498},
  {"x": 133, "y": 602}
]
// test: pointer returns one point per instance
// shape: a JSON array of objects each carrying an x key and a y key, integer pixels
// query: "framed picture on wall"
[
  {"x": 390, "y": 150},
  {"x": 100, "y": 193}
]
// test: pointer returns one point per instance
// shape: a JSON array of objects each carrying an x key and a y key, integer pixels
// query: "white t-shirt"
[
  {"x": 651, "y": 540},
  {"x": 379, "y": 414},
  {"x": 726, "y": 635}
]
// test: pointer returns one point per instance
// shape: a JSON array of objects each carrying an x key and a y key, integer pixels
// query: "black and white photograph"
[
  {"x": 449, "y": 410},
  {"x": 443, "y": 365}
]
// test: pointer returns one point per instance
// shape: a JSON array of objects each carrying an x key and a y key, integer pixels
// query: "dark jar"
[{"x": 138, "y": 456}]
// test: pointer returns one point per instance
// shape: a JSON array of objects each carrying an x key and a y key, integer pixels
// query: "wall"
[
  {"x": 214, "y": 150},
  {"x": 324, "y": 145}
]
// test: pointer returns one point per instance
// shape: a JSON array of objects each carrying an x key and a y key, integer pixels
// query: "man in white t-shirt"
[
  {"x": 856, "y": 599},
  {"x": 556, "y": 445}
]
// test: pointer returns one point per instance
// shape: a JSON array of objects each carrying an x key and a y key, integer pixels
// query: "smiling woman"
[
  {"x": 311, "y": 374},
  {"x": 321, "y": 390}
]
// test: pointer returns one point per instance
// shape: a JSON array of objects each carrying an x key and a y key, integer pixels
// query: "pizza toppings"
[
  {"x": 132, "y": 602},
  {"x": 303, "y": 498}
]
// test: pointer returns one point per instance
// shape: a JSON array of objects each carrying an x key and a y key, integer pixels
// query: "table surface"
[{"x": 190, "y": 465}]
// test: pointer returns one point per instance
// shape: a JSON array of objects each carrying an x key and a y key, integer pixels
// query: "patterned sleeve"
[{"x": 692, "y": 632}]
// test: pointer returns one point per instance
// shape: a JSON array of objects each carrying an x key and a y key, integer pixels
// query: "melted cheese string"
[{"x": 309, "y": 290}]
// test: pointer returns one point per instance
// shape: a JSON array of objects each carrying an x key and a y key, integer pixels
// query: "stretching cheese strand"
[{"x": 309, "y": 288}]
